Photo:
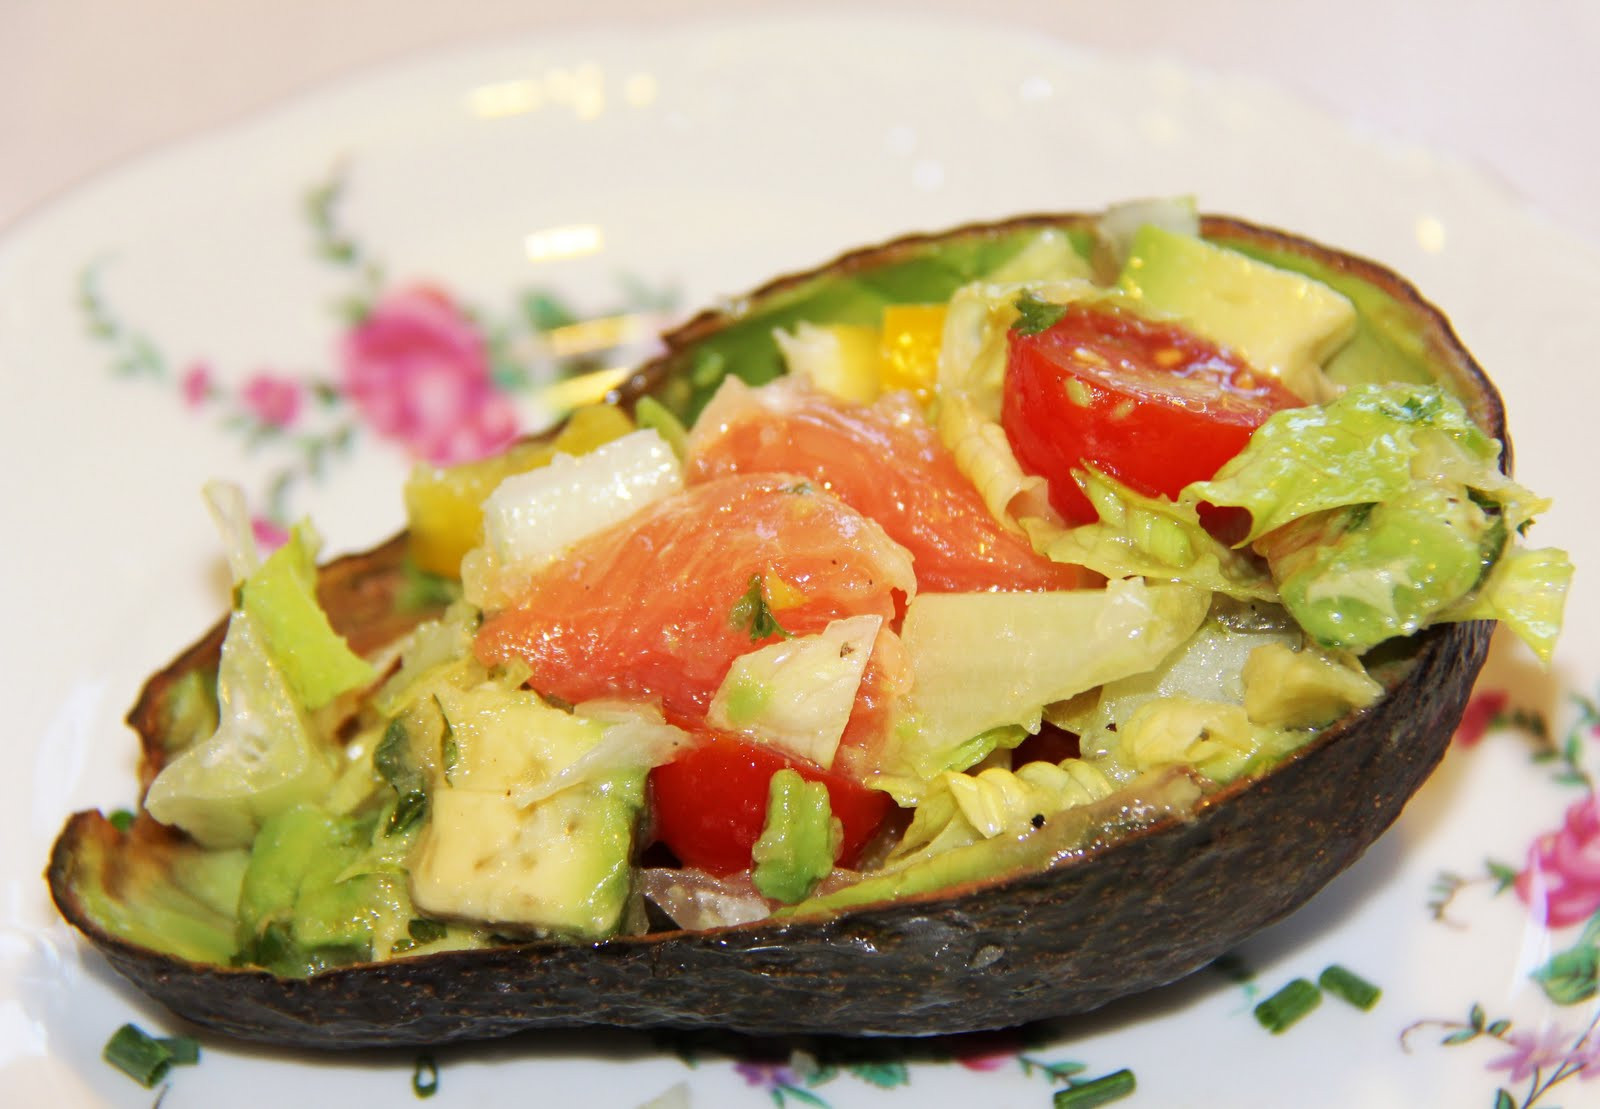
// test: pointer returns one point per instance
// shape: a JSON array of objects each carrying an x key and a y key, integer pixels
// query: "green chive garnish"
[
  {"x": 138, "y": 1055},
  {"x": 185, "y": 1050},
  {"x": 121, "y": 820},
  {"x": 1288, "y": 1005},
  {"x": 1350, "y": 987},
  {"x": 425, "y": 1079},
  {"x": 1098, "y": 1091}
]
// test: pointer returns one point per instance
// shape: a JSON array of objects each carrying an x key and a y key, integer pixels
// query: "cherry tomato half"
[
  {"x": 1149, "y": 403},
  {"x": 710, "y": 803}
]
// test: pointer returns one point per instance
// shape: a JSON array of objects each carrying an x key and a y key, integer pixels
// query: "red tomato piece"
[
  {"x": 711, "y": 803},
  {"x": 885, "y": 461},
  {"x": 1149, "y": 403}
]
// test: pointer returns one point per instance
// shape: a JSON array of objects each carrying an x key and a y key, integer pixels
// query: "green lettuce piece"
[
  {"x": 1384, "y": 512},
  {"x": 963, "y": 809},
  {"x": 262, "y": 759},
  {"x": 1038, "y": 648},
  {"x": 799, "y": 842},
  {"x": 1359, "y": 449},
  {"x": 1206, "y": 667},
  {"x": 1151, "y": 537},
  {"x": 281, "y": 597},
  {"x": 1526, "y": 591}
]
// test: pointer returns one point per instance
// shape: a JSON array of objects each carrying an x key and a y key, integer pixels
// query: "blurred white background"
[{"x": 1510, "y": 87}]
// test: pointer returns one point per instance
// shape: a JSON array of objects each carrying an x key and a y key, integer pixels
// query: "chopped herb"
[
  {"x": 411, "y": 807},
  {"x": 145, "y": 1058},
  {"x": 1350, "y": 987},
  {"x": 1097, "y": 1091},
  {"x": 799, "y": 489},
  {"x": 556, "y": 702},
  {"x": 1288, "y": 1005},
  {"x": 121, "y": 820},
  {"x": 425, "y": 1079},
  {"x": 426, "y": 931},
  {"x": 1035, "y": 315},
  {"x": 390, "y": 757},
  {"x": 751, "y": 613},
  {"x": 450, "y": 752}
]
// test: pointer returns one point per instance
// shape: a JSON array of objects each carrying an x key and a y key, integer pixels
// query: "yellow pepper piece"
[
  {"x": 909, "y": 352},
  {"x": 781, "y": 594},
  {"x": 841, "y": 359},
  {"x": 444, "y": 505}
]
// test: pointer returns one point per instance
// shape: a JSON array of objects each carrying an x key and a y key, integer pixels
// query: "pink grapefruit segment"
[
  {"x": 885, "y": 461},
  {"x": 644, "y": 610}
]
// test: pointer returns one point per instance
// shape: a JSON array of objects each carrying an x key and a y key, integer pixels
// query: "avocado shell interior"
[{"x": 1122, "y": 916}]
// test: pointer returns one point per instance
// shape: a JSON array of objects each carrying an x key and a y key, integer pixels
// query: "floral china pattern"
[
  {"x": 1558, "y": 885},
  {"x": 415, "y": 367},
  {"x": 418, "y": 369}
]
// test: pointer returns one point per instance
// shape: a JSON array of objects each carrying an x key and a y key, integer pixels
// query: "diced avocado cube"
[
  {"x": 1282, "y": 323},
  {"x": 508, "y": 841},
  {"x": 563, "y": 865}
]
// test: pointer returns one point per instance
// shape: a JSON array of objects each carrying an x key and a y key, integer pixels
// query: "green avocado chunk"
[
  {"x": 800, "y": 840},
  {"x": 518, "y": 835},
  {"x": 1356, "y": 577},
  {"x": 307, "y": 903},
  {"x": 1282, "y": 322}
]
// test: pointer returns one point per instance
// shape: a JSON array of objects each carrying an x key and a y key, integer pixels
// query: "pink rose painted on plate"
[
  {"x": 274, "y": 399},
  {"x": 1561, "y": 882},
  {"x": 417, "y": 370}
]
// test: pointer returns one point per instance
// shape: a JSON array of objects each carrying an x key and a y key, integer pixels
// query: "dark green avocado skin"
[
  {"x": 1139, "y": 913},
  {"x": 1142, "y": 913}
]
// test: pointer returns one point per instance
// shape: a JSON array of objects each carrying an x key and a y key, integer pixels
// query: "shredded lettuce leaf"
[
  {"x": 797, "y": 694},
  {"x": 963, "y": 809},
  {"x": 280, "y": 659},
  {"x": 1357, "y": 450},
  {"x": 281, "y": 598},
  {"x": 1386, "y": 511},
  {"x": 262, "y": 759},
  {"x": 1039, "y": 648},
  {"x": 984, "y": 455},
  {"x": 1150, "y": 537}
]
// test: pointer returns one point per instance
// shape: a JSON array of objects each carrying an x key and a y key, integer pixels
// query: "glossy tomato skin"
[
  {"x": 1149, "y": 403},
  {"x": 710, "y": 804}
]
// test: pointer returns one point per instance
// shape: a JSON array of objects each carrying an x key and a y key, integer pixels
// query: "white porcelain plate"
[{"x": 190, "y": 316}]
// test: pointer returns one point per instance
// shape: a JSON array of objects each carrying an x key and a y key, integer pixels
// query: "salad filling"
[{"x": 980, "y": 582}]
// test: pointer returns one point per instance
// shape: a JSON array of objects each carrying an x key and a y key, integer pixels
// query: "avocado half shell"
[{"x": 1126, "y": 914}]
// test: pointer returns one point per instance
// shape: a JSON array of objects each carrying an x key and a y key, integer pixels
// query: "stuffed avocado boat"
[{"x": 975, "y": 629}]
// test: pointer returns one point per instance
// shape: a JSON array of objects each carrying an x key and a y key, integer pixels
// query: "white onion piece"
[
  {"x": 797, "y": 694},
  {"x": 532, "y": 517},
  {"x": 696, "y": 900}
]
